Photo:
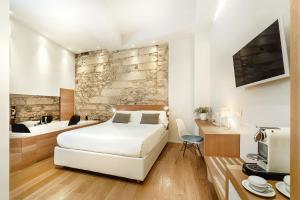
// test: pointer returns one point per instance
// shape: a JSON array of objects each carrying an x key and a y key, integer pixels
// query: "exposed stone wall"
[
  {"x": 132, "y": 76},
  {"x": 30, "y": 107}
]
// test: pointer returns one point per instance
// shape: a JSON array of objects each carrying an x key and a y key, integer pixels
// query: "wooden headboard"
[
  {"x": 67, "y": 104},
  {"x": 140, "y": 107}
]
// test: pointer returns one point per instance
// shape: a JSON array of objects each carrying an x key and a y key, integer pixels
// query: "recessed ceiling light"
[
  {"x": 153, "y": 41},
  {"x": 10, "y": 12}
]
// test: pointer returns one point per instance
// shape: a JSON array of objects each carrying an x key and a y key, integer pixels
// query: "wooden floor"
[{"x": 185, "y": 179}]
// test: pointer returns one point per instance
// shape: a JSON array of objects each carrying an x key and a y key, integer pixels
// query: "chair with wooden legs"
[{"x": 190, "y": 141}]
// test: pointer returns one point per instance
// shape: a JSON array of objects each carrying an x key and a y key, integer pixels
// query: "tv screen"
[{"x": 261, "y": 59}]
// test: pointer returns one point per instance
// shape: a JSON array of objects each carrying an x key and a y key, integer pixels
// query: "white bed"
[{"x": 125, "y": 150}]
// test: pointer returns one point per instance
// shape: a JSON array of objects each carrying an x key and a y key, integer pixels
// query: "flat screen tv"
[{"x": 262, "y": 59}]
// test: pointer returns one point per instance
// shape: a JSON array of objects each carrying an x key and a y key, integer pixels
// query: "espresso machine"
[{"x": 273, "y": 157}]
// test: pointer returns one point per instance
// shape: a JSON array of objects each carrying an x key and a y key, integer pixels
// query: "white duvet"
[{"x": 134, "y": 140}]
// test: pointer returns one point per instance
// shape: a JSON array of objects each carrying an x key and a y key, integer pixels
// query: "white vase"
[
  {"x": 203, "y": 116},
  {"x": 196, "y": 116}
]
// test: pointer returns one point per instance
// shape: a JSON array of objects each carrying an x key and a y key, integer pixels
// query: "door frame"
[{"x": 295, "y": 99}]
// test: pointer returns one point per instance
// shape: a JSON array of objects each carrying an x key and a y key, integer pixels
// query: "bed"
[{"x": 124, "y": 150}]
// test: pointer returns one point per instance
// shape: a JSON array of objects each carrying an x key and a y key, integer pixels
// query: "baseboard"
[{"x": 174, "y": 141}]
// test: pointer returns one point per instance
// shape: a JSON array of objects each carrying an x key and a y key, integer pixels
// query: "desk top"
[
  {"x": 236, "y": 177},
  {"x": 209, "y": 128}
]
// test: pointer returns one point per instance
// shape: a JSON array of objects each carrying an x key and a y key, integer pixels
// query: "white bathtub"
[{"x": 46, "y": 128}]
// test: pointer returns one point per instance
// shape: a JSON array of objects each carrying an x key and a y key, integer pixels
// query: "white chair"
[{"x": 189, "y": 140}]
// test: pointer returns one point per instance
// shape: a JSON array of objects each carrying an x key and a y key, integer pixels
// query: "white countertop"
[{"x": 47, "y": 128}]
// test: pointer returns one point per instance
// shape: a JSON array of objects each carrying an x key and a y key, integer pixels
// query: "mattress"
[{"x": 132, "y": 140}]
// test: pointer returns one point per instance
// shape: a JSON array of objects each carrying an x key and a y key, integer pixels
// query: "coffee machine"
[{"x": 273, "y": 157}]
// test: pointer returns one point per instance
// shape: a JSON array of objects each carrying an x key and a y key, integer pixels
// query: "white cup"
[
  {"x": 286, "y": 181},
  {"x": 258, "y": 184}
]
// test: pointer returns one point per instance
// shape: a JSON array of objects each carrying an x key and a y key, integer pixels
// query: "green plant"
[{"x": 200, "y": 110}]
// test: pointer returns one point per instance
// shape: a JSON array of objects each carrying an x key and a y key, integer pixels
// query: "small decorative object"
[
  {"x": 94, "y": 117},
  {"x": 286, "y": 180},
  {"x": 166, "y": 108},
  {"x": 270, "y": 192},
  {"x": 201, "y": 112},
  {"x": 225, "y": 117},
  {"x": 284, "y": 186},
  {"x": 13, "y": 114},
  {"x": 216, "y": 118}
]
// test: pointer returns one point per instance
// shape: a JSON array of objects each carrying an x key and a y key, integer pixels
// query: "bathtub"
[
  {"x": 29, "y": 148},
  {"x": 47, "y": 128}
]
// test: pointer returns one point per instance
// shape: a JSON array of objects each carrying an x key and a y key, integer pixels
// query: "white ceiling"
[{"x": 85, "y": 25}]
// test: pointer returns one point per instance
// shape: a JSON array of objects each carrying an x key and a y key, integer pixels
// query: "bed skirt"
[{"x": 122, "y": 166}]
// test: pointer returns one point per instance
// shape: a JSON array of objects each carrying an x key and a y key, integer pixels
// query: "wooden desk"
[
  {"x": 236, "y": 176},
  {"x": 218, "y": 141}
]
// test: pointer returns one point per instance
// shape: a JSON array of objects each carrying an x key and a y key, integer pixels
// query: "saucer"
[
  {"x": 280, "y": 186},
  {"x": 269, "y": 193}
]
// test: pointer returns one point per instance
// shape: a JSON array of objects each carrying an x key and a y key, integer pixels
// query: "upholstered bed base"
[{"x": 122, "y": 166}]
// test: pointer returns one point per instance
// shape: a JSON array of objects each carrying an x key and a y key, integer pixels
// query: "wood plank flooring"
[{"x": 184, "y": 179}]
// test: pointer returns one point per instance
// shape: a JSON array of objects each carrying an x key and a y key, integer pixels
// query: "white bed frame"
[
  {"x": 122, "y": 166},
  {"x": 116, "y": 165}
]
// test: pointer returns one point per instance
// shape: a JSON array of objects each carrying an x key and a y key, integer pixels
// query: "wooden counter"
[
  {"x": 216, "y": 172},
  {"x": 29, "y": 150},
  {"x": 218, "y": 141},
  {"x": 236, "y": 176}
]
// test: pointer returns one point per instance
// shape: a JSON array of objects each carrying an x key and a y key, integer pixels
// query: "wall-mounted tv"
[{"x": 263, "y": 59}]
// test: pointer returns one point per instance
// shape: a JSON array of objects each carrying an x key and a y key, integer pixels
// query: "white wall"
[
  {"x": 4, "y": 98},
  {"x": 181, "y": 84},
  {"x": 265, "y": 105},
  {"x": 202, "y": 69},
  {"x": 38, "y": 66}
]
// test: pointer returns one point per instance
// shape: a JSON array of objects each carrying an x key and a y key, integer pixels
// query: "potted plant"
[{"x": 201, "y": 112}]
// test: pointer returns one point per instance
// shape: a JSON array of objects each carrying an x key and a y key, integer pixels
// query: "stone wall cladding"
[
  {"x": 131, "y": 76},
  {"x": 32, "y": 107}
]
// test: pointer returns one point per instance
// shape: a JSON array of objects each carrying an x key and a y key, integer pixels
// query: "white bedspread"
[{"x": 134, "y": 140}]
